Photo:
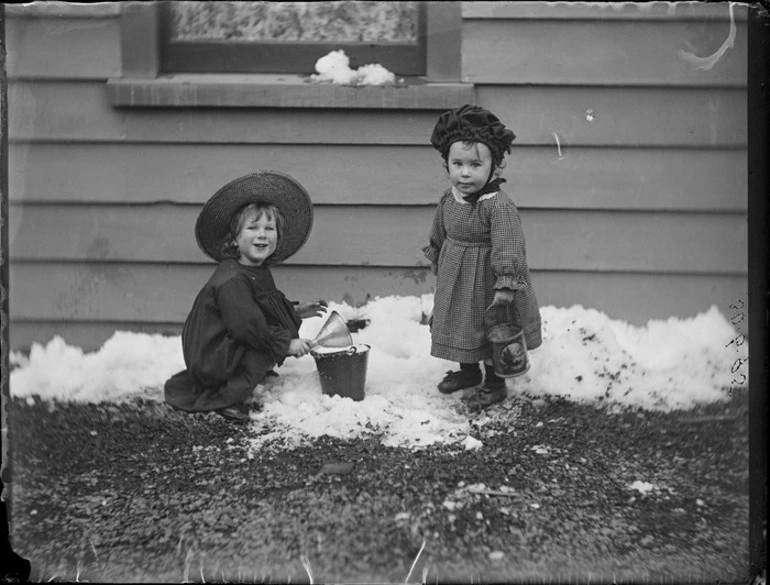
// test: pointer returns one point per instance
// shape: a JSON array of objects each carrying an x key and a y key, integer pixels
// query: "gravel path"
[{"x": 139, "y": 493}]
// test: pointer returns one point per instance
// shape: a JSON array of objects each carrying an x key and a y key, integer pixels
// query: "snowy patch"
[
  {"x": 669, "y": 364},
  {"x": 585, "y": 356},
  {"x": 128, "y": 365},
  {"x": 335, "y": 68},
  {"x": 471, "y": 444},
  {"x": 643, "y": 487},
  {"x": 16, "y": 359}
]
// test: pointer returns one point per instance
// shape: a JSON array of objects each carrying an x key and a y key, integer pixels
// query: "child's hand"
[
  {"x": 299, "y": 347},
  {"x": 311, "y": 309},
  {"x": 503, "y": 296}
]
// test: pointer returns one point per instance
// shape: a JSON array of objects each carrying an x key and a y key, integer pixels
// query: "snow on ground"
[{"x": 585, "y": 356}]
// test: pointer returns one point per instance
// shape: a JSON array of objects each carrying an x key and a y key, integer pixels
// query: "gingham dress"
[{"x": 478, "y": 249}]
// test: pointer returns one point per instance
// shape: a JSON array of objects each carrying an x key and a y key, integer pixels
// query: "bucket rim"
[{"x": 358, "y": 349}]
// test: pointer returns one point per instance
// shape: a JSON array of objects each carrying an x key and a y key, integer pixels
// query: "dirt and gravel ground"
[{"x": 139, "y": 493}]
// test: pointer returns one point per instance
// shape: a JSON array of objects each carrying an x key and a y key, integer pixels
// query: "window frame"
[
  {"x": 141, "y": 82},
  {"x": 140, "y": 41},
  {"x": 213, "y": 56}
]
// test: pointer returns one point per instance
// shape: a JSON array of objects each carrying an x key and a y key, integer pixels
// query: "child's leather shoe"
[
  {"x": 454, "y": 381},
  {"x": 488, "y": 394},
  {"x": 234, "y": 413}
]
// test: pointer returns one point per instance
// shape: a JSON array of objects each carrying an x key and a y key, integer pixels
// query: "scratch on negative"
[
  {"x": 706, "y": 63},
  {"x": 558, "y": 146},
  {"x": 415, "y": 561},
  {"x": 306, "y": 564}
]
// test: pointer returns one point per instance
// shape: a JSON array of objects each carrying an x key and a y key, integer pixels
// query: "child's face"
[
  {"x": 469, "y": 166},
  {"x": 257, "y": 239}
]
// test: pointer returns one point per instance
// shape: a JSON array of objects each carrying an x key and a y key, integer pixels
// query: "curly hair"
[{"x": 229, "y": 245}]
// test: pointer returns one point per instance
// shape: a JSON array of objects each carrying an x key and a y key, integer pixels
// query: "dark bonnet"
[{"x": 472, "y": 123}]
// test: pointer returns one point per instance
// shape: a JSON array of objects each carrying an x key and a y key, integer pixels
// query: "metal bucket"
[
  {"x": 509, "y": 348},
  {"x": 343, "y": 373}
]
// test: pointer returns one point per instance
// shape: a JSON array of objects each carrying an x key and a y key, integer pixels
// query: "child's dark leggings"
[{"x": 489, "y": 371}]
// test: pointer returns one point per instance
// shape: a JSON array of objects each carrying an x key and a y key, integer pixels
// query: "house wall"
[{"x": 629, "y": 169}]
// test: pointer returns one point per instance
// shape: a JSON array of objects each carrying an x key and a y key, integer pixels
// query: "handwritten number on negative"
[
  {"x": 739, "y": 340},
  {"x": 737, "y": 365}
]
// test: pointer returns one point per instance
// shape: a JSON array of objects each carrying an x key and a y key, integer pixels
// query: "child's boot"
[
  {"x": 235, "y": 413},
  {"x": 468, "y": 376},
  {"x": 493, "y": 390}
]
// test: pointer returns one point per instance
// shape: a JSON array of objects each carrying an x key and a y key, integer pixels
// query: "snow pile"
[
  {"x": 401, "y": 397},
  {"x": 667, "y": 364},
  {"x": 585, "y": 356},
  {"x": 128, "y": 365},
  {"x": 335, "y": 67}
]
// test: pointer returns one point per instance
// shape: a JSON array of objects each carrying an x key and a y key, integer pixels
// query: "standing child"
[
  {"x": 241, "y": 325},
  {"x": 477, "y": 251}
]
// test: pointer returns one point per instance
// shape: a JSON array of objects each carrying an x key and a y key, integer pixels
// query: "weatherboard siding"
[
  {"x": 629, "y": 169},
  {"x": 392, "y": 235},
  {"x": 600, "y": 52},
  {"x": 157, "y": 297},
  {"x": 585, "y": 177},
  {"x": 54, "y": 48},
  {"x": 78, "y": 111}
]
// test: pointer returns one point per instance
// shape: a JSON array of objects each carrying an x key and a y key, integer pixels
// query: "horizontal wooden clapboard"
[
  {"x": 590, "y": 116},
  {"x": 83, "y": 47},
  {"x": 616, "y": 116},
  {"x": 392, "y": 236},
  {"x": 543, "y": 177},
  {"x": 51, "y": 47},
  {"x": 87, "y": 335},
  {"x": 603, "y": 52},
  {"x": 98, "y": 297},
  {"x": 636, "y": 11},
  {"x": 67, "y": 10}
]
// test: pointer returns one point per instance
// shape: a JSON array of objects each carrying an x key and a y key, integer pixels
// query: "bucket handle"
[{"x": 490, "y": 319}]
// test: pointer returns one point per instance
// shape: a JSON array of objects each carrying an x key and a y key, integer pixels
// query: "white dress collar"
[{"x": 459, "y": 198}]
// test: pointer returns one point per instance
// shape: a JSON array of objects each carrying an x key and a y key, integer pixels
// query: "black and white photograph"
[{"x": 384, "y": 291}]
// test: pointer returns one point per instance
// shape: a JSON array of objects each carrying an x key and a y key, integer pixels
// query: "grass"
[{"x": 136, "y": 492}]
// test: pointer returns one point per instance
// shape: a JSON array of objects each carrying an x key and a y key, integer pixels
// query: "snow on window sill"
[{"x": 281, "y": 91}]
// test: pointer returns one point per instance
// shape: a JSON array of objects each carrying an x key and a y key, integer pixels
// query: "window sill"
[{"x": 281, "y": 91}]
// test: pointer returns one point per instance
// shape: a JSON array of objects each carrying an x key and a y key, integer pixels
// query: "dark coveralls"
[{"x": 238, "y": 329}]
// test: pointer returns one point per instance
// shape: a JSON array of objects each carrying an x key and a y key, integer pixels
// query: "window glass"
[
  {"x": 290, "y": 37},
  {"x": 341, "y": 22}
]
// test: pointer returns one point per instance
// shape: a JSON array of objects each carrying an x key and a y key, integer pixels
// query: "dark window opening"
[{"x": 289, "y": 37}]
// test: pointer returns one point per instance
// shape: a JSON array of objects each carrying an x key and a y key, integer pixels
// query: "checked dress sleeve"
[
  {"x": 437, "y": 234},
  {"x": 509, "y": 255}
]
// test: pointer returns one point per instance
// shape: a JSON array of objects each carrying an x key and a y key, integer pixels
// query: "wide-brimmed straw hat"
[{"x": 268, "y": 187}]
